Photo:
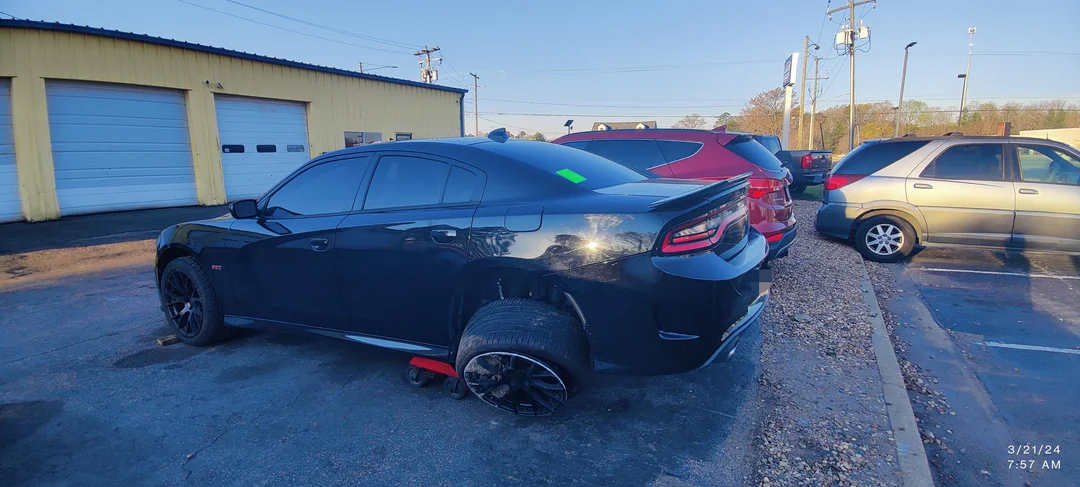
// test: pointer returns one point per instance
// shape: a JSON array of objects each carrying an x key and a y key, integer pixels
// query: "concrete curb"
[{"x": 909, "y": 446}]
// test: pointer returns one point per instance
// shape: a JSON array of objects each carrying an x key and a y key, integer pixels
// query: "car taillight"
[
  {"x": 807, "y": 161},
  {"x": 706, "y": 230},
  {"x": 837, "y": 181},
  {"x": 760, "y": 187}
]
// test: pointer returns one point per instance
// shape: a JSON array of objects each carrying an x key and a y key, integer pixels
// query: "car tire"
[
  {"x": 190, "y": 304},
  {"x": 885, "y": 238},
  {"x": 520, "y": 355},
  {"x": 797, "y": 188}
]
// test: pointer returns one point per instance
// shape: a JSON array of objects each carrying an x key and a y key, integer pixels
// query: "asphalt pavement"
[
  {"x": 1000, "y": 332},
  {"x": 88, "y": 398}
]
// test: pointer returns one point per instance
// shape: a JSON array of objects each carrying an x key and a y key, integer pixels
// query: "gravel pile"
[{"x": 825, "y": 421}]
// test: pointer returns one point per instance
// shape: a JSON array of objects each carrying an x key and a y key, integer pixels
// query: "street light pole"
[
  {"x": 967, "y": 73},
  {"x": 903, "y": 77},
  {"x": 960, "y": 119}
]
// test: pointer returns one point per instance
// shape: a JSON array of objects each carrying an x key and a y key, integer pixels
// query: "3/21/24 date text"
[
  {"x": 1034, "y": 465},
  {"x": 1037, "y": 450}
]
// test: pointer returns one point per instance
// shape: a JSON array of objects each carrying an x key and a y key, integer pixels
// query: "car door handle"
[
  {"x": 319, "y": 244},
  {"x": 923, "y": 186},
  {"x": 1028, "y": 191},
  {"x": 443, "y": 235}
]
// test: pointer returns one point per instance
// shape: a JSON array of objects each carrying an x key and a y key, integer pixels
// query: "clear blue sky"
[{"x": 576, "y": 53}]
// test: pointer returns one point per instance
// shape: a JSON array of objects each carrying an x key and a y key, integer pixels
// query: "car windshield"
[{"x": 585, "y": 169}]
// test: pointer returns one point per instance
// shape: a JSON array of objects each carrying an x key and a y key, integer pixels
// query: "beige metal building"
[
  {"x": 1069, "y": 136},
  {"x": 96, "y": 120}
]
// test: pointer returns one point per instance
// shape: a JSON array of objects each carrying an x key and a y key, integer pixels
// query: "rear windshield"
[
  {"x": 868, "y": 158},
  {"x": 584, "y": 169},
  {"x": 749, "y": 149},
  {"x": 770, "y": 142}
]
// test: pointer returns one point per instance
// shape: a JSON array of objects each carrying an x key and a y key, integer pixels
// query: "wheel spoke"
[
  {"x": 541, "y": 400},
  {"x": 547, "y": 386}
]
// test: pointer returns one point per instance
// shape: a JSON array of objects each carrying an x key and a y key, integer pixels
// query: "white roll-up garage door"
[
  {"x": 262, "y": 141},
  {"x": 119, "y": 147},
  {"x": 10, "y": 207}
]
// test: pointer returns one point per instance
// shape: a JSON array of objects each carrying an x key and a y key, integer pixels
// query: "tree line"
[{"x": 764, "y": 114}]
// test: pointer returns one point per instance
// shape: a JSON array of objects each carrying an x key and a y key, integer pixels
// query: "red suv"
[{"x": 709, "y": 155}]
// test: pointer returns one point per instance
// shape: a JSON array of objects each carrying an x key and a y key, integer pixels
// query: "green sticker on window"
[{"x": 570, "y": 175}]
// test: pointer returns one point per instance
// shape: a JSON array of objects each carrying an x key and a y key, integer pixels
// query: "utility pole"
[
  {"x": 813, "y": 104},
  {"x": 850, "y": 34},
  {"x": 802, "y": 87},
  {"x": 903, "y": 77},
  {"x": 967, "y": 74},
  {"x": 476, "y": 103},
  {"x": 428, "y": 74}
]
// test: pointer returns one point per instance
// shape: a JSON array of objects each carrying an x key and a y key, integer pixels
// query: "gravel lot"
[{"x": 825, "y": 421}]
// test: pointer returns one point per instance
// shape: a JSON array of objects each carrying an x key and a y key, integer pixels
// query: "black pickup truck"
[{"x": 808, "y": 167}]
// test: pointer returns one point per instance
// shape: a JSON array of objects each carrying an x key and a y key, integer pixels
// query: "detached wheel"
[
  {"x": 885, "y": 238},
  {"x": 455, "y": 387},
  {"x": 416, "y": 376},
  {"x": 517, "y": 354},
  {"x": 190, "y": 304}
]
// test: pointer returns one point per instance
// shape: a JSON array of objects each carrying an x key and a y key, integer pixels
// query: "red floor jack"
[{"x": 422, "y": 370}]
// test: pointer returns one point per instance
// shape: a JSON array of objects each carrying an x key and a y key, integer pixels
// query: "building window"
[
  {"x": 353, "y": 139},
  {"x": 266, "y": 148},
  {"x": 403, "y": 136}
]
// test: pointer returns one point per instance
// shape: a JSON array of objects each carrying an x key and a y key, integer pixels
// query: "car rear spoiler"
[{"x": 703, "y": 193}]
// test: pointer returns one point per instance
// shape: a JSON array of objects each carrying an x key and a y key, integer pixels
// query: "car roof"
[
  {"x": 964, "y": 138},
  {"x": 697, "y": 135}
]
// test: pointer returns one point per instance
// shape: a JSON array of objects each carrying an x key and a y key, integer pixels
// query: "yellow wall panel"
[{"x": 336, "y": 103}]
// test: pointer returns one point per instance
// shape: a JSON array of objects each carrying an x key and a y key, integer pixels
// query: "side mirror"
[{"x": 244, "y": 209}]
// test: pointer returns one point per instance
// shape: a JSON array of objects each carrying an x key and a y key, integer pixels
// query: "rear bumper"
[
  {"x": 808, "y": 177},
  {"x": 779, "y": 248},
  {"x": 653, "y": 315},
  {"x": 836, "y": 220}
]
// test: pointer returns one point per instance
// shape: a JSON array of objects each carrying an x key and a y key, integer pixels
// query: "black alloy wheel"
[
  {"x": 515, "y": 383},
  {"x": 184, "y": 305}
]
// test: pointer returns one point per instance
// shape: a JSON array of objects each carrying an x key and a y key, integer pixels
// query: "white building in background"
[{"x": 1069, "y": 136}]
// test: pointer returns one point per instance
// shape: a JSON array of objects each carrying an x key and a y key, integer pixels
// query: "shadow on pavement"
[{"x": 104, "y": 228}]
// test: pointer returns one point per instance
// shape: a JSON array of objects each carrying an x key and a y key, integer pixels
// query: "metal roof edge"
[{"x": 116, "y": 34}]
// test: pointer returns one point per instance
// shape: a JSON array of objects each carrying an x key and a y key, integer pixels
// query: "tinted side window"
[
  {"x": 320, "y": 190},
  {"x": 401, "y": 181},
  {"x": 578, "y": 144},
  {"x": 980, "y": 162},
  {"x": 461, "y": 187},
  {"x": 868, "y": 159},
  {"x": 749, "y": 149},
  {"x": 635, "y": 154},
  {"x": 674, "y": 150}
]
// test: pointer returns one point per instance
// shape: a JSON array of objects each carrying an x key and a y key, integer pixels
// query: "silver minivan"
[{"x": 1000, "y": 192}]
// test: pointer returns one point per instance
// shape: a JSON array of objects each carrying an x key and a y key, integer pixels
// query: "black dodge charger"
[{"x": 523, "y": 265}]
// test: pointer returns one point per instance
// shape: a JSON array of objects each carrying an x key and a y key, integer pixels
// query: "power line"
[
  {"x": 688, "y": 107},
  {"x": 12, "y": 16},
  {"x": 286, "y": 29},
  {"x": 636, "y": 69},
  {"x": 506, "y": 125},
  {"x": 821, "y": 30},
  {"x": 1002, "y": 53},
  {"x": 332, "y": 29}
]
